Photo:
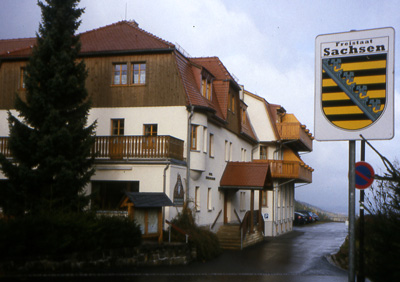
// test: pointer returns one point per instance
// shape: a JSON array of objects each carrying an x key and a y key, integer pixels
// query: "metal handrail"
[
  {"x": 187, "y": 235},
  {"x": 215, "y": 221}
]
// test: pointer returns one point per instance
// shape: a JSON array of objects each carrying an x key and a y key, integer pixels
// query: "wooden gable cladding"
[
  {"x": 10, "y": 80},
  {"x": 163, "y": 85}
]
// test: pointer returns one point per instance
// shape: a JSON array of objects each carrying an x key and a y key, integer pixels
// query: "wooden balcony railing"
[
  {"x": 128, "y": 147},
  {"x": 4, "y": 147},
  {"x": 138, "y": 147},
  {"x": 291, "y": 170},
  {"x": 295, "y": 131}
]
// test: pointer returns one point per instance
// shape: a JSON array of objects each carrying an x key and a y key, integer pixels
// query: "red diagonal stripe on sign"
[{"x": 362, "y": 176}]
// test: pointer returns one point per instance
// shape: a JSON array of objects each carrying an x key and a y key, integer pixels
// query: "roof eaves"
[
  {"x": 133, "y": 25},
  {"x": 241, "y": 187},
  {"x": 125, "y": 52},
  {"x": 250, "y": 138}
]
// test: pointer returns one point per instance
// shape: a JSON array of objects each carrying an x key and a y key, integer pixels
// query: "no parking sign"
[{"x": 364, "y": 175}]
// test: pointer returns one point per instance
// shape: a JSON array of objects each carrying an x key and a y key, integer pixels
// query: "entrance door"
[
  {"x": 116, "y": 145},
  {"x": 150, "y": 141},
  {"x": 227, "y": 207}
]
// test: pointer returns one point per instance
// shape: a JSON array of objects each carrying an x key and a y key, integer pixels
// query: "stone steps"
[{"x": 229, "y": 237}]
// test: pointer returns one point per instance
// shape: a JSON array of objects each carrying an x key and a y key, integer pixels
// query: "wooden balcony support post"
[
  {"x": 260, "y": 217},
  {"x": 252, "y": 211}
]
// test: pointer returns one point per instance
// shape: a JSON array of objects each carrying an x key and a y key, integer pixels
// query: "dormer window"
[
  {"x": 206, "y": 88},
  {"x": 243, "y": 116},
  {"x": 231, "y": 102}
]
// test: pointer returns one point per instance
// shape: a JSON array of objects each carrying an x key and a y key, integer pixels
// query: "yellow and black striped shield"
[{"x": 354, "y": 90}]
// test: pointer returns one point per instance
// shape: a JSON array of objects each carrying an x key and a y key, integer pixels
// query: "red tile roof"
[
  {"x": 220, "y": 92},
  {"x": 214, "y": 66},
  {"x": 194, "y": 96},
  {"x": 121, "y": 36},
  {"x": 10, "y": 47},
  {"x": 246, "y": 175}
]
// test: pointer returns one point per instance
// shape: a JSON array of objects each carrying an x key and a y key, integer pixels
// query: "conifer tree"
[{"x": 50, "y": 140}]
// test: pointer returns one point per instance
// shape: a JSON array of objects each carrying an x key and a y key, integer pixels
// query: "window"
[
  {"x": 226, "y": 151},
  {"x": 206, "y": 89},
  {"x": 242, "y": 201},
  {"x": 209, "y": 202},
  {"x": 208, "y": 92},
  {"x": 244, "y": 116},
  {"x": 231, "y": 103},
  {"x": 211, "y": 147},
  {"x": 22, "y": 74},
  {"x": 117, "y": 127},
  {"x": 264, "y": 198},
  {"x": 263, "y": 153},
  {"x": 138, "y": 73},
  {"x": 230, "y": 151},
  {"x": 205, "y": 135},
  {"x": 150, "y": 140},
  {"x": 244, "y": 151},
  {"x": 279, "y": 197},
  {"x": 197, "y": 198},
  {"x": 193, "y": 139},
  {"x": 120, "y": 74},
  {"x": 107, "y": 195},
  {"x": 150, "y": 129}
]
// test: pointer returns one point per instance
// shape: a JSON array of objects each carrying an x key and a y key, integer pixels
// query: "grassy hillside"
[{"x": 323, "y": 215}]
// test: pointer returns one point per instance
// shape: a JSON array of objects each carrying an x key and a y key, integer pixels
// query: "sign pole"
[
  {"x": 352, "y": 204},
  {"x": 361, "y": 275}
]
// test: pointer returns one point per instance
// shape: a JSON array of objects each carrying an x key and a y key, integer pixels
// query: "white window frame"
[
  {"x": 209, "y": 199},
  {"x": 197, "y": 198}
]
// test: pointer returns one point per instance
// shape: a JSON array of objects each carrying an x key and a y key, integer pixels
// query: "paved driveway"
[{"x": 297, "y": 256}]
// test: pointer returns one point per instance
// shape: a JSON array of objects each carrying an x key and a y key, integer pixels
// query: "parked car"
[
  {"x": 308, "y": 216},
  {"x": 315, "y": 216},
  {"x": 299, "y": 218}
]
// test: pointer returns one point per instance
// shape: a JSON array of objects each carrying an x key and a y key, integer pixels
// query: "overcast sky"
[{"x": 267, "y": 45}]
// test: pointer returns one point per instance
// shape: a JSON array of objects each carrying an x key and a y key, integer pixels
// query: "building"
[
  {"x": 281, "y": 137},
  {"x": 174, "y": 126}
]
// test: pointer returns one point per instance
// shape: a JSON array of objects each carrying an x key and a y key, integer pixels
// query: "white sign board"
[{"x": 354, "y": 85}]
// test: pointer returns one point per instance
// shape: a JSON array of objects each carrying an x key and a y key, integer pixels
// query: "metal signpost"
[{"x": 354, "y": 95}]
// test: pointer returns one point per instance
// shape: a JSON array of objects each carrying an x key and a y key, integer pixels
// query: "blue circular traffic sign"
[{"x": 364, "y": 175}]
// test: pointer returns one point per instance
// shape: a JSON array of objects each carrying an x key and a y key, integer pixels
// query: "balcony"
[
  {"x": 4, "y": 147},
  {"x": 291, "y": 170},
  {"x": 281, "y": 169},
  {"x": 138, "y": 147},
  {"x": 128, "y": 147},
  {"x": 296, "y": 132}
]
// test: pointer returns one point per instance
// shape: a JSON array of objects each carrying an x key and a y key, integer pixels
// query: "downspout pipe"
[
  {"x": 164, "y": 190},
  {"x": 188, "y": 154}
]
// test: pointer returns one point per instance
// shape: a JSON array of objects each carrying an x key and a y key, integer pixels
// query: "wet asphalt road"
[{"x": 298, "y": 256}]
